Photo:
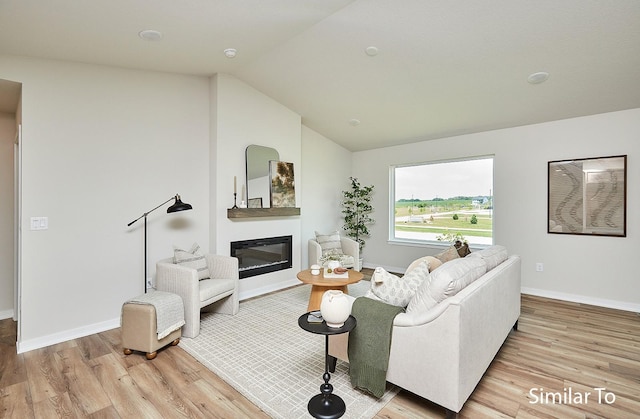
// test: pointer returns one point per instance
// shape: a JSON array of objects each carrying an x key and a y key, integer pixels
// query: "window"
[{"x": 439, "y": 202}]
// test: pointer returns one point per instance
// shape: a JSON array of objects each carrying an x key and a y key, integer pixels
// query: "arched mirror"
[{"x": 258, "y": 182}]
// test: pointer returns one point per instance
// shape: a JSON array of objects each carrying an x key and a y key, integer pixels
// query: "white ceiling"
[{"x": 444, "y": 68}]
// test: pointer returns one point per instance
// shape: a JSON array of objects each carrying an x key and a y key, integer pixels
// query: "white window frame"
[{"x": 432, "y": 243}]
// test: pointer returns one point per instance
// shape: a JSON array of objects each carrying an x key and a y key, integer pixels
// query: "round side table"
[
  {"x": 320, "y": 284},
  {"x": 326, "y": 405}
]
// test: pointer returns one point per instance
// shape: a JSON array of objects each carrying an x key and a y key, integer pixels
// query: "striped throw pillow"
[
  {"x": 329, "y": 243},
  {"x": 192, "y": 258}
]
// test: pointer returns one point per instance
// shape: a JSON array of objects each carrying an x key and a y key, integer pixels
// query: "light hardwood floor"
[{"x": 558, "y": 346}]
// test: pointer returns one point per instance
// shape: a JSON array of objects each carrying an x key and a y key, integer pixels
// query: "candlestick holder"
[{"x": 235, "y": 206}]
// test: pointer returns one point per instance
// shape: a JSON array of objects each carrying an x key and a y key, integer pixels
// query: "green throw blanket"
[{"x": 369, "y": 344}]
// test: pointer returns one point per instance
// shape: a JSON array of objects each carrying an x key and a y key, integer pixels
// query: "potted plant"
[{"x": 356, "y": 207}]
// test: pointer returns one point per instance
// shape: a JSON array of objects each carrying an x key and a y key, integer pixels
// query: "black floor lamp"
[{"x": 177, "y": 206}]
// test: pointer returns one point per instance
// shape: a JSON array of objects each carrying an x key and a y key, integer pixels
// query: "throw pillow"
[
  {"x": 492, "y": 255},
  {"x": 463, "y": 248},
  {"x": 329, "y": 243},
  {"x": 192, "y": 258},
  {"x": 398, "y": 291},
  {"x": 449, "y": 254},
  {"x": 445, "y": 282},
  {"x": 431, "y": 260}
]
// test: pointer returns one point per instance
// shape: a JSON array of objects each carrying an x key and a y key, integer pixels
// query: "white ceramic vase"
[
  {"x": 332, "y": 264},
  {"x": 335, "y": 308}
]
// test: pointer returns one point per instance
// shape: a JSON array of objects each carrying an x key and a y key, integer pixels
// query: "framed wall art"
[
  {"x": 588, "y": 196},
  {"x": 283, "y": 192}
]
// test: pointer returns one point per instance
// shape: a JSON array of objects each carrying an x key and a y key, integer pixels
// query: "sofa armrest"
[
  {"x": 175, "y": 277},
  {"x": 352, "y": 248},
  {"x": 225, "y": 267},
  {"x": 315, "y": 252},
  {"x": 182, "y": 281}
]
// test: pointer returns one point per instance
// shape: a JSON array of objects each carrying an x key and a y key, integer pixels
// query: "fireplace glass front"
[{"x": 260, "y": 256}]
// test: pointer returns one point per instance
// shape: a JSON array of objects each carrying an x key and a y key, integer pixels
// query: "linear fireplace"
[{"x": 259, "y": 256}]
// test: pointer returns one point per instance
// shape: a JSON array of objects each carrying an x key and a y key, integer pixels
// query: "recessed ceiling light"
[
  {"x": 354, "y": 122},
  {"x": 371, "y": 51},
  {"x": 150, "y": 35},
  {"x": 230, "y": 52},
  {"x": 537, "y": 78}
]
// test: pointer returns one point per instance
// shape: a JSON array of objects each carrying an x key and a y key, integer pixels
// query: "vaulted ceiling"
[{"x": 364, "y": 73}]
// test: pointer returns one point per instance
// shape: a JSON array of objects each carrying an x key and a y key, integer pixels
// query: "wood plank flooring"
[{"x": 558, "y": 346}]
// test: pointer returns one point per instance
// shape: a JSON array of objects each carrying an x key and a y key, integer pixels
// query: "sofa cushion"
[
  {"x": 192, "y": 258},
  {"x": 446, "y": 281},
  {"x": 492, "y": 255},
  {"x": 329, "y": 243},
  {"x": 431, "y": 260},
  {"x": 395, "y": 290},
  {"x": 447, "y": 255},
  {"x": 210, "y": 288}
]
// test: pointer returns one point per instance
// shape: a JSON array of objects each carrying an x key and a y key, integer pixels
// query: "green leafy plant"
[
  {"x": 474, "y": 219},
  {"x": 451, "y": 237},
  {"x": 455, "y": 216},
  {"x": 356, "y": 208},
  {"x": 331, "y": 255}
]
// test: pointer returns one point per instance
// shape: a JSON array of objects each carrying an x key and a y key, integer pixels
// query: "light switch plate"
[{"x": 39, "y": 223}]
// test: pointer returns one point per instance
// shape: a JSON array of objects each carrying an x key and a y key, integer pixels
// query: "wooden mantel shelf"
[{"x": 262, "y": 212}]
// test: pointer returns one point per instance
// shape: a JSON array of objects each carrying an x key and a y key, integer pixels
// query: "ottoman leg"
[
  {"x": 175, "y": 342},
  {"x": 127, "y": 351},
  {"x": 151, "y": 355}
]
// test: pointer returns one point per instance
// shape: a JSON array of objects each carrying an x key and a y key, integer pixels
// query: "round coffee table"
[{"x": 320, "y": 284}]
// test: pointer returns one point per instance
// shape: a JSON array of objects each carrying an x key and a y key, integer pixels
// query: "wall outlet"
[
  {"x": 149, "y": 283},
  {"x": 539, "y": 267}
]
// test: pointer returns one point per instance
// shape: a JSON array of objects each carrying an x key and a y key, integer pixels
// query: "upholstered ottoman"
[{"x": 151, "y": 321}]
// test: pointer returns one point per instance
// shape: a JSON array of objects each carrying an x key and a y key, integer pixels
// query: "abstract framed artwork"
[
  {"x": 588, "y": 196},
  {"x": 283, "y": 193}
]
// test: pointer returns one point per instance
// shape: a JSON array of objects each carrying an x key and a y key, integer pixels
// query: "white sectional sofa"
[{"x": 442, "y": 353}]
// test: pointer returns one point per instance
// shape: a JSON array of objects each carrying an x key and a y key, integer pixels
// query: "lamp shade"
[{"x": 179, "y": 205}]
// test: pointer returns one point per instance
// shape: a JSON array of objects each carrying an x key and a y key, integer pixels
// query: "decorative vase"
[
  {"x": 335, "y": 308},
  {"x": 332, "y": 264}
]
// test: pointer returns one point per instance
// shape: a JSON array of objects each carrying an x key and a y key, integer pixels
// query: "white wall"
[
  {"x": 326, "y": 167},
  {"x": 597, "y": 270},
  {"x": 7, "y": 140},
  {"x": 100, "y": 147},
  {"x": 242, "y": 116}
]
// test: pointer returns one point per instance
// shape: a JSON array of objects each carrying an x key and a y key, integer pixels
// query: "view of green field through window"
[{"x": 444, "y": 201}]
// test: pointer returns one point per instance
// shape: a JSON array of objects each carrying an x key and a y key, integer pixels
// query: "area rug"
[{"x": 266, "y": 356}]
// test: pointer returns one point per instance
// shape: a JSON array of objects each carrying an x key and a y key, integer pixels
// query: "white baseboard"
[
  {"x": 269, "y": 288},
  {"x": 583, "y": 299},
  {"x": 41, "y": 342},
  {"x": 6, "y": 314}
]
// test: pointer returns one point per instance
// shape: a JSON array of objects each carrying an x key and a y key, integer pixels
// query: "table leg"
[
  {"x": 326, "y": 405},
  {"x": 315, "y": 298}
]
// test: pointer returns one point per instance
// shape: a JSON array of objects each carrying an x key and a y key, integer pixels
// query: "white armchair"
[
  {"x": 349, "y": 246},
  {"x": 219, "y": 293}
]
